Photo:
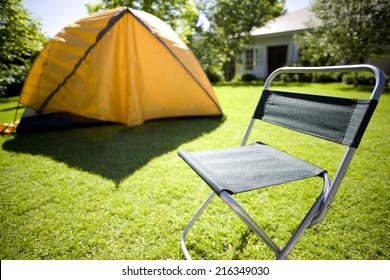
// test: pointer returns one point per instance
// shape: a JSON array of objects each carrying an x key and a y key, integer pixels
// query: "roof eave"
[{"x": 281, "y": 34}]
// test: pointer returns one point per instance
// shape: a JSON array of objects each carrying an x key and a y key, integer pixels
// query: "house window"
[
  {"x": 249, "y": 59},
  {"x": 259, "y": 56}
]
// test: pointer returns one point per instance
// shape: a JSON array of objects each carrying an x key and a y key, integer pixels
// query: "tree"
[
  {"x": 231, "y": 22},
  {"x": 349, "y": 32},
  {"x": 181, "y": 15},
  {"x": 315, "y": 50},
  {"x": 21, "y": 40},
  {"x": 208, "y": 49}
]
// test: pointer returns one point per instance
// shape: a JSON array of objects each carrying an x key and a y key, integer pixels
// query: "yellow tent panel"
[{"x": 120, "y": 65}]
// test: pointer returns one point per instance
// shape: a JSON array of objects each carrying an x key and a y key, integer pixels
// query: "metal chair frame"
[{"x": 320, "y": 207}]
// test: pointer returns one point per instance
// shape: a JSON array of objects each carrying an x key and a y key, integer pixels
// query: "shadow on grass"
[
  {"x": 243, "y": 244},
  {"x": 10, "y": 109},
  {"x": 113, "y": 151}
]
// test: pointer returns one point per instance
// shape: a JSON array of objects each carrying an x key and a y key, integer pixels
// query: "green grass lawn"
[{"x": 114, "y": 192}]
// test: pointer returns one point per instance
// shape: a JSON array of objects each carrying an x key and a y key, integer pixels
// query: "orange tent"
[{"x": 120, "y": 65}]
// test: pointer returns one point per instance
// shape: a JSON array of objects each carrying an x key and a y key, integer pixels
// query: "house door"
[{"x": 277, "y": 57}]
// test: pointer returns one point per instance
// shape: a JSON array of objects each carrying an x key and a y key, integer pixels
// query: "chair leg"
[
  {"x": 315, "y": 215},
  {"x": 236, "y": 207},
  {"x": 225, "y": 196},
  {"x": 306, "y": 222},
  {"x": 190, "y": 224},
  {"x": 281, "y": 254}
]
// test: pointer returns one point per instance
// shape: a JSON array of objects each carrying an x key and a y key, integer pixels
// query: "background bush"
[
  {"x": 21, "y": 40},
  {"x": 362, "y": 79},
  {"x": 248, "y": 78},
  {"x": 12, "y": 78}
]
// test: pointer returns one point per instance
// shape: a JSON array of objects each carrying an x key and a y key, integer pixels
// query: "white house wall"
[{"x": 260, "y": 46}]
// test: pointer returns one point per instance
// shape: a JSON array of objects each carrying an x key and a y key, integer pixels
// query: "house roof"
[{"x": 288, "y": 23}]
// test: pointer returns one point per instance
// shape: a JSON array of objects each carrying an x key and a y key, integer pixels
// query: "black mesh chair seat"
[{"x": 247, "y": 168}]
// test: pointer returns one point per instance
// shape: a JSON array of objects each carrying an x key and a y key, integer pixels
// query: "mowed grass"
[{"x": 114, "y": 192}]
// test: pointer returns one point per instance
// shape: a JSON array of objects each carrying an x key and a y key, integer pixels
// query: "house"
[{"x": 273, "y": 45}]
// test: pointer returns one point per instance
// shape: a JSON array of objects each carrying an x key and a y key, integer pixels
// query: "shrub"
[
  {"x": 318, "y": 77},
  {"x": 12, "y": 78},
  {"x": 362, "y": 79},
  {"x": 248, "y": 78},
  {"x": 214, "y": 77},
  {"x": 327, "y": 77}
]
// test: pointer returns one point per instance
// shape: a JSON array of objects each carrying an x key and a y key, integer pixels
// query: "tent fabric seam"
[{"x": 101, "y": 34}]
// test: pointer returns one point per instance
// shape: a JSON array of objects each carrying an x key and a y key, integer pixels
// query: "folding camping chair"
[{"x": 245, "y": 168}]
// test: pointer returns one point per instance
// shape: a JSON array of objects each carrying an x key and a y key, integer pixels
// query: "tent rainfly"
[{"x": 120, "y": 65}]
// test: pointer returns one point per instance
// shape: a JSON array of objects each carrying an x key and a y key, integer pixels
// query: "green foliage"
[
  {"x": 233, "y": 20},
  {"x": 317, "y": 77},
  {"x": 118, "y": 193},
  {"x": 248, "y": 78},
  {"x": 214, "y": 77},
  {"x": 12, "y": 78},
  {"x": 207, "y": 47},
  {"x": 21, "y": 40},
  {"x": 181, "y": 15},
  {"x": 348, "y": 32},
  {"x": 230, "y": 24},
  {"x": 314, "y": 50},
  {"x": 362, "y": 79}
]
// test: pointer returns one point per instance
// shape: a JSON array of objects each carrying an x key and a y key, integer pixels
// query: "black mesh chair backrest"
[{"x": 341, "y": 120}]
